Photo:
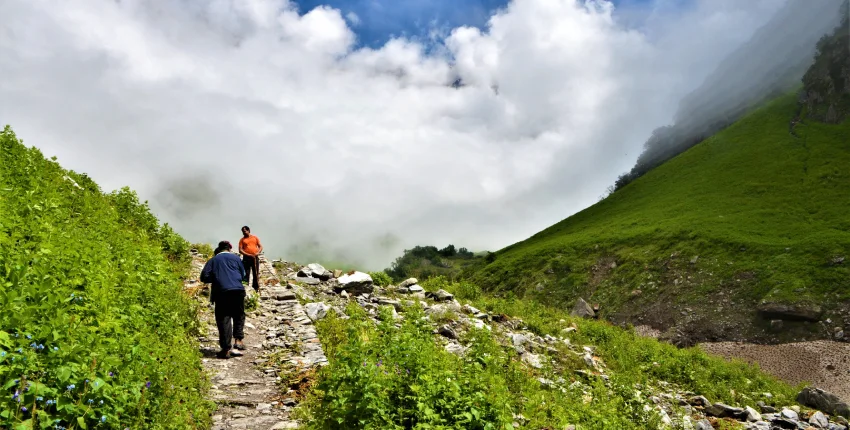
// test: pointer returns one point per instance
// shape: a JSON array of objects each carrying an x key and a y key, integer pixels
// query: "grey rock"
[
  {"x": 703, "y": 424},
  {"x": 408, "y": 282},
  {"x": 315, "y": 270},
  {"x": 791, "y": 312},
  {"x": 758, "y": 425},
  {"x": 441, "y": 296},
  {"x": 818, "y": 419},
  {"x": 316, "y": 311},
  {"x": 455, "y": 348},
  {"x": 722, "y": 410},
  {"x": 751, "y": 415},
  {"x": 308, "y": 280},
  {"x": 285, "y": 425},
  {"x": 582, "y": 309},
  {"x": 789, "y": 414},
  {"x": 533, "y": 360},
  {"x": 764, "y": 408},
  {"x": 698, "y": 401},
  {"x": 834, "y": 426},
  {"x": 394, "y": 303},
  {"x": 356, "y": 283},
  {"x": 822, "y": 400},
  {"x": 447, "y": 331},
  {"x": 470, "y": 309},
  {"x": 415, "y": 289}
]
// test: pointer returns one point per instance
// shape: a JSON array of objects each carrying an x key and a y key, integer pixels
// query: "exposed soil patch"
[{"x": 825, "y": 364}]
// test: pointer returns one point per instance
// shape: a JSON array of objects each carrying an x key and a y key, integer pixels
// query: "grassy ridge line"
[
  {"x": 394, "y": 375},
  {"x": 94, "y": 330},
  {"x": 764, "y": 212}
]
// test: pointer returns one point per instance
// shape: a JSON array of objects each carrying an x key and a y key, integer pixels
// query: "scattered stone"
[
  {"x": 818, "y": 419},
  {"x": 394, "y": 303},
  {"x": 533, "y": 360},
  {"x": 791, "y": 312},
  {"x": 285, "y": 425},
  {"x": 704, "y": 424},
  {"x": 356, "y": 283},
  {"x": 314, "y": 270},
  {"x": 408, "y": 283},
  {"x": 415, "y": 289},
  {"x": 316, "y": 311},
  {"x": 337, "y": 273},
  {"x": 582, "y": 309},
  {"x": 751, "y": 415},
  {"x": 699, "y": 401},
  {"x": 824, "y": 401},
  {"x": 447, "y": 331},
  {"x": 441, "y": 296},
  {"x": 722, "y": 410},
  {"x": 470, "y": 310},
  {"x": 789, "y": 414}
]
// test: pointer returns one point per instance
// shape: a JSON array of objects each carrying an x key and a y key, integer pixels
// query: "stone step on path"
[{"x": 281, "y": 345}]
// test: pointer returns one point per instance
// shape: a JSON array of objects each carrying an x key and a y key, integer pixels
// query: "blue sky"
[{"x": 380, "y": 20}]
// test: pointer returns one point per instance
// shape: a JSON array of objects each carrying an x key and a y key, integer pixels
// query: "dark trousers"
[
  {"x": 230, "y": 317},
  {"x": 252, "y": 268}
]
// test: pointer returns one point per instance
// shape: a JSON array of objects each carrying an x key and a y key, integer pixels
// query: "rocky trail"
[
  {"x": 282, "y": 350},
  {"x": 261, "y": 389}
]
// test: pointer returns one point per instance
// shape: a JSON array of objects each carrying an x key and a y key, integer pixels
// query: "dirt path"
[
  {"x": 824, "y": 364},
  {"x": 258, "y": 390}
]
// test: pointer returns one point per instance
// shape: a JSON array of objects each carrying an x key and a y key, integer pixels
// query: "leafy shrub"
[
  {"x": 381, "y": 278},
  {"x": 386, "y": 377},
  {"x": 204, "y": 249},
  {"x": 94, "y": 330}
]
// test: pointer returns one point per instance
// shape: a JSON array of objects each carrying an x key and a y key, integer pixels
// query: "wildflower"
[
  {"x": 40, "y": 346},
  {"x": 38, "y": 399},
  {"x": 23, "y": 408},
  {"x": 148, "y": 384},
  {"x": 101, "y": 402},
  {"x": 90, "y": 401},
  {"x": 71, "y": 387},
  {"x": 17, "y": 381},
  {"x": 56, "y": 348},
  {"x": 17, "y": 393},
  {"x": 20, "y": 350},
  {"x": 29, "y": 336},
  {"x": 87, "y": 381},
  {"x": 110, "y": 374},
  {"x": 2, "y": 353},
  {"x": 103, "y": 418}
]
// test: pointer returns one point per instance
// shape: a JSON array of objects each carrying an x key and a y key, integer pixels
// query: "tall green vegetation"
[
  {"x": 94, "y": 330},
  {"x": 396, "y": 375}
]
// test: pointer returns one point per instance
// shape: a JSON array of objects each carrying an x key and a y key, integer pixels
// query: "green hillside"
[
  {"x": 94, "y": 329},
  {"x": 751, "y": 215}
]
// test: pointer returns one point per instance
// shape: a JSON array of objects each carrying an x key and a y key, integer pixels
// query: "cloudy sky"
[{"x": 333, "y": 128}]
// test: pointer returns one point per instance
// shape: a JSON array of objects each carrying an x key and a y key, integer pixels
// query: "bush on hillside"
[
  {"x": 94, "y": 330},
  {"x": 381, "y": 278}
]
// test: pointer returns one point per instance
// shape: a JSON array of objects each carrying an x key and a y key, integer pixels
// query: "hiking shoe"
[
  {"x": 223, "y": 354},
  {"x": 240, "y": 346},
  {"x": 235, "y": 353}
]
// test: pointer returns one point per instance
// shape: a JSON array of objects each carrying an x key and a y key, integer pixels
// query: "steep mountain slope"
[
  {"x": 751, "y": 219},
  {"x": 768, "y": 65}
]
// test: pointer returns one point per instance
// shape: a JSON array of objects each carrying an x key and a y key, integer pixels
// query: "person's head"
[
  {"x": 246, "y": 231},
  {"x": 223, "y": 246}
]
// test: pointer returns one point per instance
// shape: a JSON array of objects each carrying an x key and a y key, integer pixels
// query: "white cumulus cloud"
[{"x": 232, "y": 112}]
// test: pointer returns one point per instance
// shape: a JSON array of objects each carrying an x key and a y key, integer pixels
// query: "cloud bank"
[{"x": 232, "y": 112}]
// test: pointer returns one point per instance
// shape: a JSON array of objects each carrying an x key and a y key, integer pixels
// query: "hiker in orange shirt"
[{"x": 250, "y": 248}]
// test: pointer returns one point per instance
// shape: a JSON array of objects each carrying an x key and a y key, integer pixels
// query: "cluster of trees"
[{"x": 427, "y": 261}]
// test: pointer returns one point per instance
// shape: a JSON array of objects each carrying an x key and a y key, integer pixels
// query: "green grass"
[
  {"x": 765, "y": 213},
  {"x": 394, "y": 374},
  {"x": 95, "y": 332}
]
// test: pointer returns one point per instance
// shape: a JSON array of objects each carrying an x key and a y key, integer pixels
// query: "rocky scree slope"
[
  {"x": 744, "y": 237},
  {"x": 401, "y": 355}
]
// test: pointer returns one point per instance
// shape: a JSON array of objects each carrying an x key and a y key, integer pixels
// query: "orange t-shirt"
[{"x": 250, "y": 244}]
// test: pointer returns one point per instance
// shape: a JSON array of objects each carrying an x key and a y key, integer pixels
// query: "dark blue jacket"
[{"x": 225, "y": 272}]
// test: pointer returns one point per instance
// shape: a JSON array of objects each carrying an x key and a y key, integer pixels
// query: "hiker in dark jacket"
[{"x": 226, "y": 274}]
